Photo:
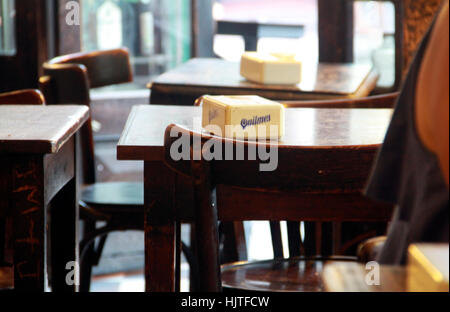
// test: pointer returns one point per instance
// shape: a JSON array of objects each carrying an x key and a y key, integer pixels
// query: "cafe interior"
[{"x": 237, "y": 146}]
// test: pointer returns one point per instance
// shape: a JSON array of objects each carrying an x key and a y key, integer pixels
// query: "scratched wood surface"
[
  {"x": 38, "y": 129},
  {"x": 143, "y": 136},
  {"x": 215, "y": 76}
]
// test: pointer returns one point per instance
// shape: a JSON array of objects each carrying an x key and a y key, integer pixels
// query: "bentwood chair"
[
  {"x": 68, "y": 79},
  {"x": 291, "y": 185},
  {"x": 22, "y": 97}
]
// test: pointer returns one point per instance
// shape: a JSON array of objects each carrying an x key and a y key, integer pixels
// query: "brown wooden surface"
[
  {"x": 38, "y": 129},
  {"x": 286, "y": 275},
  {"x": 31, "y": 97},
  {"x": 376, "y": 101},
  {"x": 350, "y": 277},
  {"x": 202, "y": 76},
  {"x": 6, "y": 278},
  {"x": 38, "y": 191},
  {"x": 143, "y": 136}
]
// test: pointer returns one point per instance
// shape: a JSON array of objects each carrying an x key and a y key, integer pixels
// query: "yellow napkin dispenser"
[
  {"x": 275, "y": 68},
  {"x": 243, "y": 117}
]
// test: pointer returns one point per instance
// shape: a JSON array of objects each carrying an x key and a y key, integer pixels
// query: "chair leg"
[
  {"x": 294, "y": 238},
  {"x": 277, "y": 243},
  {"x": 2, "y": 240},
  {"x": 310, "y": 239},
  {"x": 87, "y": 261},
  {"x": 99, "y": 249},
  {"x": 190, "y": 253},
  {"x": 234, "y": 244}
]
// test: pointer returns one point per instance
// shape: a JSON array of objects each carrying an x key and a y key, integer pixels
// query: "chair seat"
[
  {"x": 119, "y": 194},
  {"x": 280, "y": 275}
]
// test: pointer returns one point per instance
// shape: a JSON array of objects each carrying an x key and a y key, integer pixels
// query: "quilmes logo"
[{"x": 255, "y": 121}]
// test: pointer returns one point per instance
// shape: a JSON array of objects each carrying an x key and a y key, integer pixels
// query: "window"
[
  {"x": 7, "y": 29},
  {"x": 157, "y": 33},
  {"x": 375, "y": 38},
  {"x": 374, "y": 31}
]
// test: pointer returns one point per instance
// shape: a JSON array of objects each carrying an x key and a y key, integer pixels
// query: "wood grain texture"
[
  {"x": 143, "y": 136},
  {"x": 30, "y": 220},
  {"x": 350, "y": 277},
  {"x": 417, "y": 18},
  {"x": 159, "y": 185},
  {"x": 203, "y": 76},
  {"x": 22, "y": 97},
  {"x": 285, "y": 275},
  {"x": 38, "y": 129}
]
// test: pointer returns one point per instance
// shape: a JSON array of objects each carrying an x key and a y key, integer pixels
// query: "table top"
[
  {"x": 351, "y": 277},
  {"x": 143, "y": 136},
  {"x": 217, "y": 75},
  {"x": 38, "y": 129}
]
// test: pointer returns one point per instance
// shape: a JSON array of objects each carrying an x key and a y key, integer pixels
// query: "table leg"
[
  {"x": 159, "y": 185},
  {"x": 29, "y": 221},
  {"x": 64, "y": 240}
]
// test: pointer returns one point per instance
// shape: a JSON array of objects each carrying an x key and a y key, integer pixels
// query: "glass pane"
[
  {"x": 157, "y": 32},
  {"x": 7, "y": 27},
  {"x": 300, "y": 13},
  {"x": 375, "y": 38}
]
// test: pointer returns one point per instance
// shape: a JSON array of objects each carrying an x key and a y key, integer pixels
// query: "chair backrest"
[
  {"x": 68, "y": 80},
  {"x": 387, "y": 100},
  {"x": 346, "y": 172},
  {"x": 22, "y": 97}
]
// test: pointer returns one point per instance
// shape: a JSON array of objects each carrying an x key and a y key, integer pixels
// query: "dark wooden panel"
[
  {"x": 22, "y": 70},
  {"x": 59, "y": 169},
  {"x": 249, "y": 204},
  {"x": 159, "y": 227},
  {"x": 30, "y": 220},
  {"x": 335, "y": 31}
]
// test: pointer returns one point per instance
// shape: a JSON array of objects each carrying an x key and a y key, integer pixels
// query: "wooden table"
[
  {"x": 143, "y": 139},
  {"x": 38, "y": 190},
  {"x": 201, "y": 76}
]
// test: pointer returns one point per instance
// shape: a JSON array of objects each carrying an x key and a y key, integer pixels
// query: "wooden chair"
[
  {"x": 234, "y": 248},
  {"x": 22, "y": 97},
  {"x": 68, "y": 79},
  {"x": 288, "y": 188}
]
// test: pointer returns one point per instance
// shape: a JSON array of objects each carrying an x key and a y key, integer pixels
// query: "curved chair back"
[
  {"x": 68, "y": 79},
  {"x": 27, "y": 97},
  {"x": 346, "y": 169},
  {"x": 387, "y": 100}
]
